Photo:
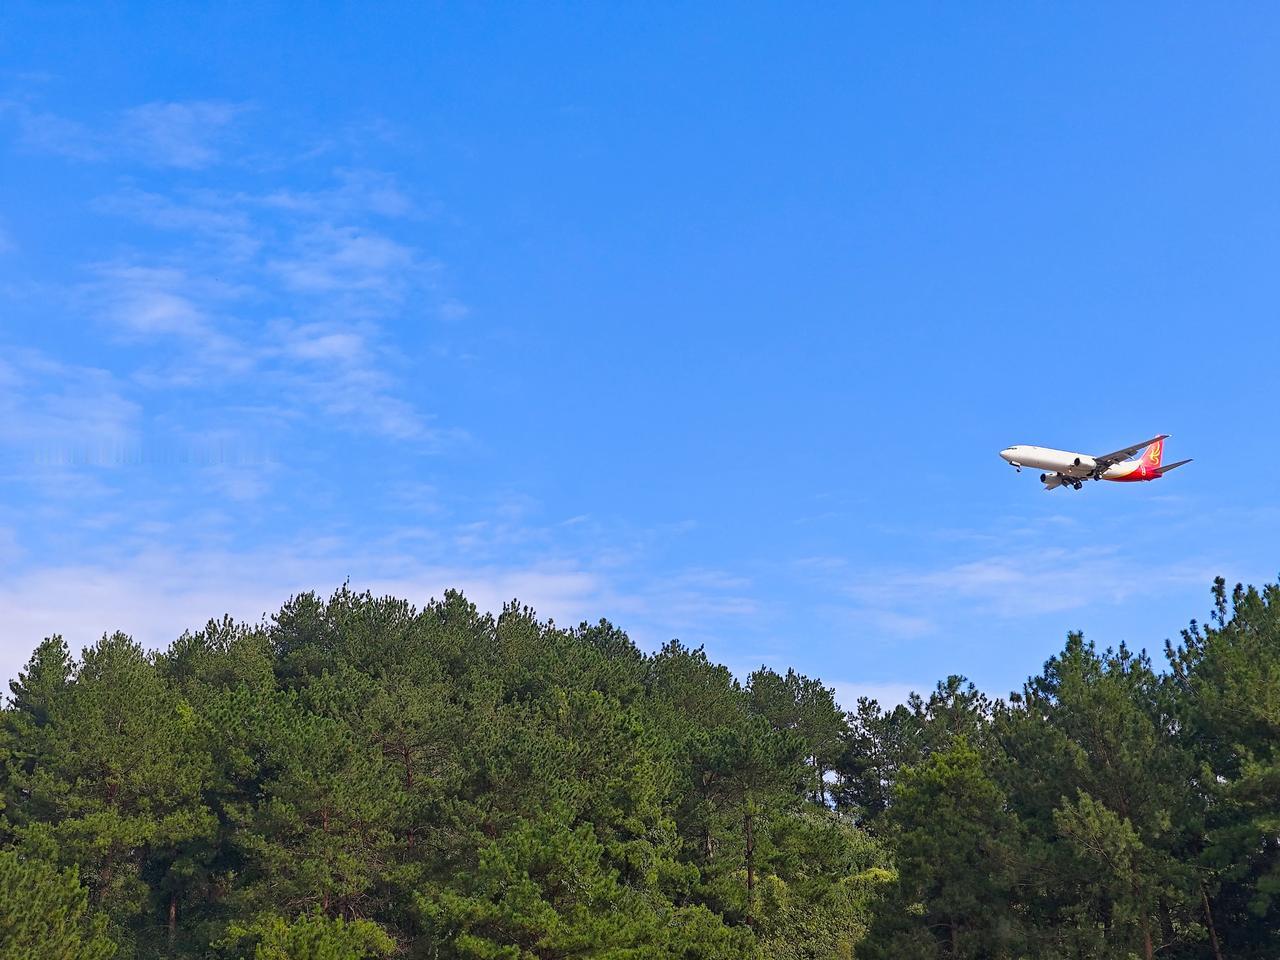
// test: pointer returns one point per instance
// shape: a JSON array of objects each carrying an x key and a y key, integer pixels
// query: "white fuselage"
[{"x": 1065, "y": 463}]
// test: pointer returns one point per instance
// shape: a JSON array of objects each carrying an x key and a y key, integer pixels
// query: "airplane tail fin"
[{"x": 1153, "y": 455}]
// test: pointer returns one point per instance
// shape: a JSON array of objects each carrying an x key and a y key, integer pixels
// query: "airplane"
[{"x": 1065, "y": 468}]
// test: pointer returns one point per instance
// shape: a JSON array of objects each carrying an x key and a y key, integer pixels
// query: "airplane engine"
[{"x": 1087, "y": 463}]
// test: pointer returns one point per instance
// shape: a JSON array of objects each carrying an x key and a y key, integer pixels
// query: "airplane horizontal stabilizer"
[{"x": 1169, "y": 466}]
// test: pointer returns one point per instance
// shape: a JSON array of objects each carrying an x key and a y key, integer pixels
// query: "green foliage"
[
  {"x": 1225, "y": 693},
  {"x": 827, "y": 878},
  {"x": 879, "y": 744},
  {"x": 545, "y": 890},
  {"x": 956, "y": 843},
  {"x": 806, "y": 708},
  {"x": 45, "y": 914},
  {"x": 313, "y": 937},
  {"x": 357, "y": 779}
]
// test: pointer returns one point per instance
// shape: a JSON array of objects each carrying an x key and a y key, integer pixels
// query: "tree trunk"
[
  {"x": 407, "y": 756},
  {"x": 1167, "y": 933},
  {"x": 173, "y": 917},
  {"x": 1208, "y": 915},
  {"x": 751, "y": 864},
  {"x": 105, "y": 876},
  {"x": 1148, "y": 951}
]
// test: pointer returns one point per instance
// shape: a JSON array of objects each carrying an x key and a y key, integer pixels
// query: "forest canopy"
[{"x": 354, "y": 778}]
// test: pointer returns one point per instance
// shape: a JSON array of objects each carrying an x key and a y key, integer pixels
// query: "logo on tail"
[{"x": 1154, "y": 454}]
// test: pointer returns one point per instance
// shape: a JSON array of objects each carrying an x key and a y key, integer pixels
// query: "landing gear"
[{"x": 1077, "y": 484}]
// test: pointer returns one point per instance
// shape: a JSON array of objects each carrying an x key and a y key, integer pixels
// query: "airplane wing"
[
  {"x": 1107, "y": 459},
  {"x": 1166, "y": 469}
]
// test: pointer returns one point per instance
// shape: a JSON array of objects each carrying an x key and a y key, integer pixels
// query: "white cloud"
[
  {"x": 453, "y": 311},
  {"x": 177, "y": 134},
  {"x": 149, "y": 300},
  {"x": 146, "y": 585},
  {"x": 1030, "y": 582},
  {"x": 199, "y": 212},
  {"x": 186, "y": 135},
  {"x": 333, "y": 367},
  {"x": 157, "y": 594},
  {"x": 358, "y": 193},
  {"x": 168, "y": 302},
  {"x": 325, "y": 343},
  {"x": 10, "y": 550},
  {"x": 887, "y": 694},
  {"x": 49, "y": 133},
  {"x": 257, "y": 261},
  {"x": 60, "y": 410},
  {"x": 897, "y": 624},
  {"x": 341, "y": 277},
  {"x": 331, "y": 259}
]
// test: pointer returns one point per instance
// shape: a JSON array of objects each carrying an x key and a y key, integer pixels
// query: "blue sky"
[{"x": 709, "y": 324}]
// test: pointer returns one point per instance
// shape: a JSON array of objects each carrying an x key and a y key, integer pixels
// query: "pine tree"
[
  {"x": 45, "y": 914},
  {"x": 116, "y": 785},
  {"x": 1093, "y": 758},
  {"x": 1227, "y": 680},
  {"x": 955, "y": 841},
  {"x": 807, "y": 708},
  {"x": 312, "y": 937}
]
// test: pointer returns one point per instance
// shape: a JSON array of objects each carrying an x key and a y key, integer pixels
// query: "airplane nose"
[{"x": 1006, "y": 453}]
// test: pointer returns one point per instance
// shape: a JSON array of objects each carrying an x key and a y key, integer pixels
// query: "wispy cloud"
[
  {"x": 50, "y": 133},
  {"x": 62, "y": 428},
  {"x": 348, "y": 260},
  {"x": 894, "y": 623},
  {"x": 10, "y": 551},
  {"x": 358, "y": 192},
  {"x": 254, "y": 261},
  {"x": 247, "y": 312},
  {"x": 184, "y": 134},
  {"x": 200, "y": 214},
  {"x": 263, "y": 314},
  {"x": 1030, "y": 582},
  {"x": 156, "y": 594},
  {"x": 888, "y": 694},
  {"x": 163, "y": 301},
  {"x": 187, "y": 135},
  {"x": 315, "y": 342},
  {"x": 58, "y": 410}
]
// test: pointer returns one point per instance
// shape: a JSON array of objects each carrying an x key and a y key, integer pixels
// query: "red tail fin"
[{"x": 1153, "y": 455}]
